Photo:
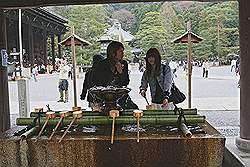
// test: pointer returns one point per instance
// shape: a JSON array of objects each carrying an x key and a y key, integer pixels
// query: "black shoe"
[
  {"x": 66, "y": 101},
  {"x": 60, "y": 100}
]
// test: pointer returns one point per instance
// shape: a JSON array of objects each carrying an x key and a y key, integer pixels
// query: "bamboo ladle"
[
  {"x": 137, "y": 114},
  {"x": 48, "y": 116},
  {"x": 76, "y": 114},
  {"x": 63, "y": 114},
  {"x": 113, "y": 114}
]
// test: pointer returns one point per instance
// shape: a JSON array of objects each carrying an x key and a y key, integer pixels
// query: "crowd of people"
[{"x": 113, "y": 71}]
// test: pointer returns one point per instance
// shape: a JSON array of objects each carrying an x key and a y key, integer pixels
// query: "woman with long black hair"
[
  {"x": 159, "y": 78},
  {"x": 113, "y": 71}
]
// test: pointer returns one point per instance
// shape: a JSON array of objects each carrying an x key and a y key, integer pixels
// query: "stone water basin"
[{"x": 155, "y": 149}]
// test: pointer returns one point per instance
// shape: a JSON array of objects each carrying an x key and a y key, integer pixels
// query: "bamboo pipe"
[
  {"x": 102, "y": 120},
  {"x": 113, "y": 114},
  {"x": 48, "y": 116},
  {"x": 28, "y": 133},
  {"x": 146, "y": 116},
  {"x": 185, "y": 130},
  {"x": 76, "y": 114},
  {"x": 62, "y": 115},
  {"x": 127, "y": 112},
  {"x": 137, "y": 114}
]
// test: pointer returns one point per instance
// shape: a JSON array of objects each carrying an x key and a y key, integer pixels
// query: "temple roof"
[
  {"x": 116, "y": 30},
  {"x": 40, "y": 18},
  {"x": 184, "y": 38},
  {"x": 78, "y": 41}
]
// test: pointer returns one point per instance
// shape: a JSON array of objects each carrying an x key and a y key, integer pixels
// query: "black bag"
[{"x": 176, "y": 95}]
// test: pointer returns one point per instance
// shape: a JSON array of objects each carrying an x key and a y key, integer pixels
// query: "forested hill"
[{"x": 157, "y": 24}]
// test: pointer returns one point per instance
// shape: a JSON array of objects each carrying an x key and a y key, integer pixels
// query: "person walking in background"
[
  {"x": 63, "y": 81},
  {"x": 89, "y": 81},
  {"x": 238, "y": 71},
  {"x": 34, "y": 72},
  {"x": 173, "y": 67},
  {"x": 70, "y": 71},
  {"x": 141, "y": 66},
  {"x": 159, "y": 78},
  {"x": 233, "y": 65},
  {"x": 205, "y": 67}
]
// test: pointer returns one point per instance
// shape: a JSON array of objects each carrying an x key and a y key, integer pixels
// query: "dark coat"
[{"x": 103, "y": 76}]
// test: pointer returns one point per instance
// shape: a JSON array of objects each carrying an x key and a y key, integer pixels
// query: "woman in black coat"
[{"x": 113, "y": 71}]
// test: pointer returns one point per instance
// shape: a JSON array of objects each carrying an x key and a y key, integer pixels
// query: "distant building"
[
  {"x": 38, "y": 25},
  {"x": 116, "y": 30}
]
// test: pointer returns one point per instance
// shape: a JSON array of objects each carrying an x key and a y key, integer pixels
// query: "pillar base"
[{"x": 242, "y": 144}]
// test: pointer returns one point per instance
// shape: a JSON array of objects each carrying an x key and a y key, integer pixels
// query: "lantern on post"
[
  {"x": 188, "y": 37},
  {"x": 73, "y": 40}
]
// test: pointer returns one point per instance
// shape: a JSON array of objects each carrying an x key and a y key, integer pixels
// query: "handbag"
[{"x": 176, "y": 95}]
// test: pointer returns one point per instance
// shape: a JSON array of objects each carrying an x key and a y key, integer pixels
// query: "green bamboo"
[
  {"x": 102, "y": 120},
  {"x": 127, "y": 112},
  {"x": 28, "y": 133},
  {"x": 185, "y": 130}
]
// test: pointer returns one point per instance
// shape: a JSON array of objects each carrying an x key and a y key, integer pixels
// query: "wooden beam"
[
  {"x": 39, "y": 3},
  {"x": 4, "y": 91}
]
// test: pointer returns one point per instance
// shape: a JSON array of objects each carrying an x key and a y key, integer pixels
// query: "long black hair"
[
  {"x": 112, "y": 49},
  {"x": 153, "y": 52}
]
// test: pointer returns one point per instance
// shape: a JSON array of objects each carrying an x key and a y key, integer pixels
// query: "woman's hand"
[
  {"x": 143, "y": 93},
  {"x": 119, "y": 67},
  {"x": 165, "y": 103}
]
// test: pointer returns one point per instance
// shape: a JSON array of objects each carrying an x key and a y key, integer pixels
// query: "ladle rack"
[{"x": 139, "y": 117}]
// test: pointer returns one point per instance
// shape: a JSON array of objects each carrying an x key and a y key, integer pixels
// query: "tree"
[
  {"x": 125, "y": 17},
  {"x": 89, "y": 22},
  {"x": 151, "y": 33},
  {"x": 218, "y": 27}
]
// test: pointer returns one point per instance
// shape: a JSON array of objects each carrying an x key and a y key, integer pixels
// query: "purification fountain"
[{"x": 128, "y": 138}]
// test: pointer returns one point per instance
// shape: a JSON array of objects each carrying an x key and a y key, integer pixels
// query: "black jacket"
[{"x": 103, "y": 76}]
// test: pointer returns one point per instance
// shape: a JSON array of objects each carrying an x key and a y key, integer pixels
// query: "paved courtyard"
[{"x": 217, "y": 96}]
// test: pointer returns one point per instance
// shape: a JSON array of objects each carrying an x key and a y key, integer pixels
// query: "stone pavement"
[{"x": 216, "y": 97}]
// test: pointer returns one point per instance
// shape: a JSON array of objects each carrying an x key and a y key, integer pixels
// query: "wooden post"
[
  {"x": 243, "y": 142},
  {"x": 74, "y": 64},
  {"x": 189, "y": 58},
  {"x": 44, "y": 47},
  {"x": 53, "y": 50},
  {"x": 20, "y": 41},
  {"x": 4, "y": 91},
  {"x": 59, "y": 46},
  {"x": 31, "y": 44}
]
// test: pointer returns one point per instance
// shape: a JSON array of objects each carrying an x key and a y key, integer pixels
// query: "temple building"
[
  {"x": 39, "y": 30},
  {"x": 116, "y": 30}
]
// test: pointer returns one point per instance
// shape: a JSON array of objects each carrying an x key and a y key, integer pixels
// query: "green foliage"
[
  {"x": 156, "y": 24},
  {"x": 151, "y": 33},
  {"x": 125, "y": 17},
  {"x": 219, "y": 26},
  {"x": 139, "y": 10},
  {"x": 89, "y": 22}
]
